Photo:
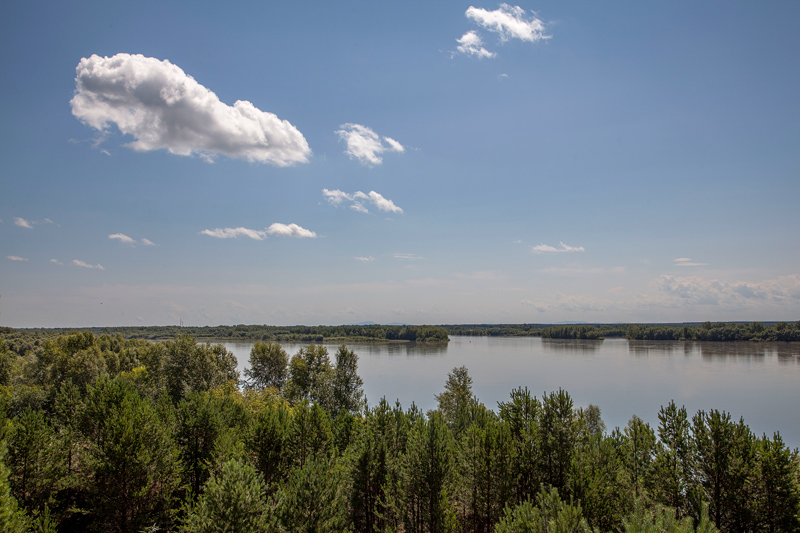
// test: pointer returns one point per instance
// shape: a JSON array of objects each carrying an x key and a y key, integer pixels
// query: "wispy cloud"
[
  {"x": 232, "y": 233},
  {"x": 700, "y": 291},
  {"x": 56, "y": 261},
  {"x": 686, "y": 262},
  {"x": 22, "y": 223},
  {"x": 29, "y": 224},
  {"x": 545, "y": 249},
  {"x": 162, "y": 107},
  {"x": 407, "y": 257},
  {"x": 357, "y": 199},
  {"x": 365, "y": 145},
  {"x": 365, "y": 259},
  {"x": 121, "y": 237},
  {"x": 83, "y": 264},
  {"x": 283, "y": 230},
  {"x": 471, "y": 44},
  {"x": 16, "y": 258}
]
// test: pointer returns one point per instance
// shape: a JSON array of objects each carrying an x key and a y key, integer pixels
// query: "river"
[{"x": 757, "y": 381}]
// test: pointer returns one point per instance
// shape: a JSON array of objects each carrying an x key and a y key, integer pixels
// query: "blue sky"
[{"x": 409, "y": 162}]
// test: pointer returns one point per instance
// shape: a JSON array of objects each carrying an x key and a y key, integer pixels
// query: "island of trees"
[{"x": 103, "y": 433}]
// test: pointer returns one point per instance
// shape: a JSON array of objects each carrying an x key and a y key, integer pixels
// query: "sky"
[{"x": 417, "y": 162}]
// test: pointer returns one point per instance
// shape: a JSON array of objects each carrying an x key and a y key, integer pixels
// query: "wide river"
[{"x": 757, "y": 381}]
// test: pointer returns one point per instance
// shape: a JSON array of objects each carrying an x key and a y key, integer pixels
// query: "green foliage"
[
  {"x": 313, "y": 500},
  {"x": 348, "y": 394},
  {"x": 189, "y": 366},
  {"x": 725, "y": 457},
  {"x": 660, "y": 519},
  {"x": 12, "y": 518},
  {"x": 232, "y": 502},
  {"x": 429, "y": 475},
  {"x": 134, "y": 459},
  {"x": 572, "y": 332},
  {"x": 268, "y": 366},
  {"x": 456, "y": 401},
  {"x": 551, "y": 515},
  {"x": 310, "y": 376},
  {"x": 778, "y": 492},
  {"x": 522, "y": 414},
  {"x": 36, "y": 465}
]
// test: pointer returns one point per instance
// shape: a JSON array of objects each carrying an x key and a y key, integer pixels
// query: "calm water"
[{"x": 760, "y": 382}]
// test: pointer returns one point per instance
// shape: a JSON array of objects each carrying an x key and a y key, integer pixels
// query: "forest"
[{"x": 103, "y": 433}]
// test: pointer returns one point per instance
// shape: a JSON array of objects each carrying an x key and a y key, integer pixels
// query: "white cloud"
[
  {"x": 284, "y": 230},
  {"x": 122, "y": 238},
  {"x": 701, "y": 291},
  {"x": 148, "y": 242},
  {"x": 407, "y": 257},
  {"x": 79, "y": 263},
  {"x": 162, "y": 107},
  {"x": 337, "y": 197},
  {"x": 686, "y": 262},
  {"x": 544, "y": 248},
  {"x": 290, "y": 230},
  {"x": 16, "y": 258},
  {"x": 471, "y": 44},
  {"x": 232, "y": 233},
  {"x": 56, "y": 261},
  {"x": 365, "y": 259},
  {"x": 382, "y": 203},
  {"x": 22, "y": 223},
  {"x": 509, "y": 22},
  {"x": 366, "y": 145}
]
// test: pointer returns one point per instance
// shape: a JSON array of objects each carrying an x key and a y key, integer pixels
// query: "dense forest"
[
  {"x": 103, "y": 433},
  {"x": 317, "y": 334}
]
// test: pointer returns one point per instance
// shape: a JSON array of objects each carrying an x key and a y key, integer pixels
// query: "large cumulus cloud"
[{"x": 162, "y": 107}]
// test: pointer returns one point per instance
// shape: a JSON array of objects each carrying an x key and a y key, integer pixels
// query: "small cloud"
[
  {"x": 502, "y": 77},
  {"x": 16, "y": 258},
  {"x": 544, "y": 248},
  {"x": 538, "y": 307},
  {"x": 686, "y": 262},
  {"x": 290, "y": 230},
  {"x": 148, "y": 242},
  {"x": 509, "y": 23},
  {"x": 122, "y": 238},
  {"x": 365, "y": 259},
  {"x": 79, "y": 263},
  {"x": 56, "y": 261},
  {"x": 365, "y": 145},
  {"x": 22, "y": 223},
  {"x": 163, "y": 108},
  {"x": 232, "y": 233},
  {"x": 407, "y": 257},
  {"x": 471, "y": 44},
  {"x": 337, "y": 197},
  {"x": 382, "y": 203}
]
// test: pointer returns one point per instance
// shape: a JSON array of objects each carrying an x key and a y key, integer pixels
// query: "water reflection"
[
  {"x": 576, "y": 346},
  {"x": 645, "y": 348},
  {"x": 392, "y": 349}
]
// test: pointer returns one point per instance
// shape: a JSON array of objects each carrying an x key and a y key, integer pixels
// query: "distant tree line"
[
  {"x": 317, "y": 334},
  {"x": 706, "y": 331},
  {"x": 102, "y": 433}
]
